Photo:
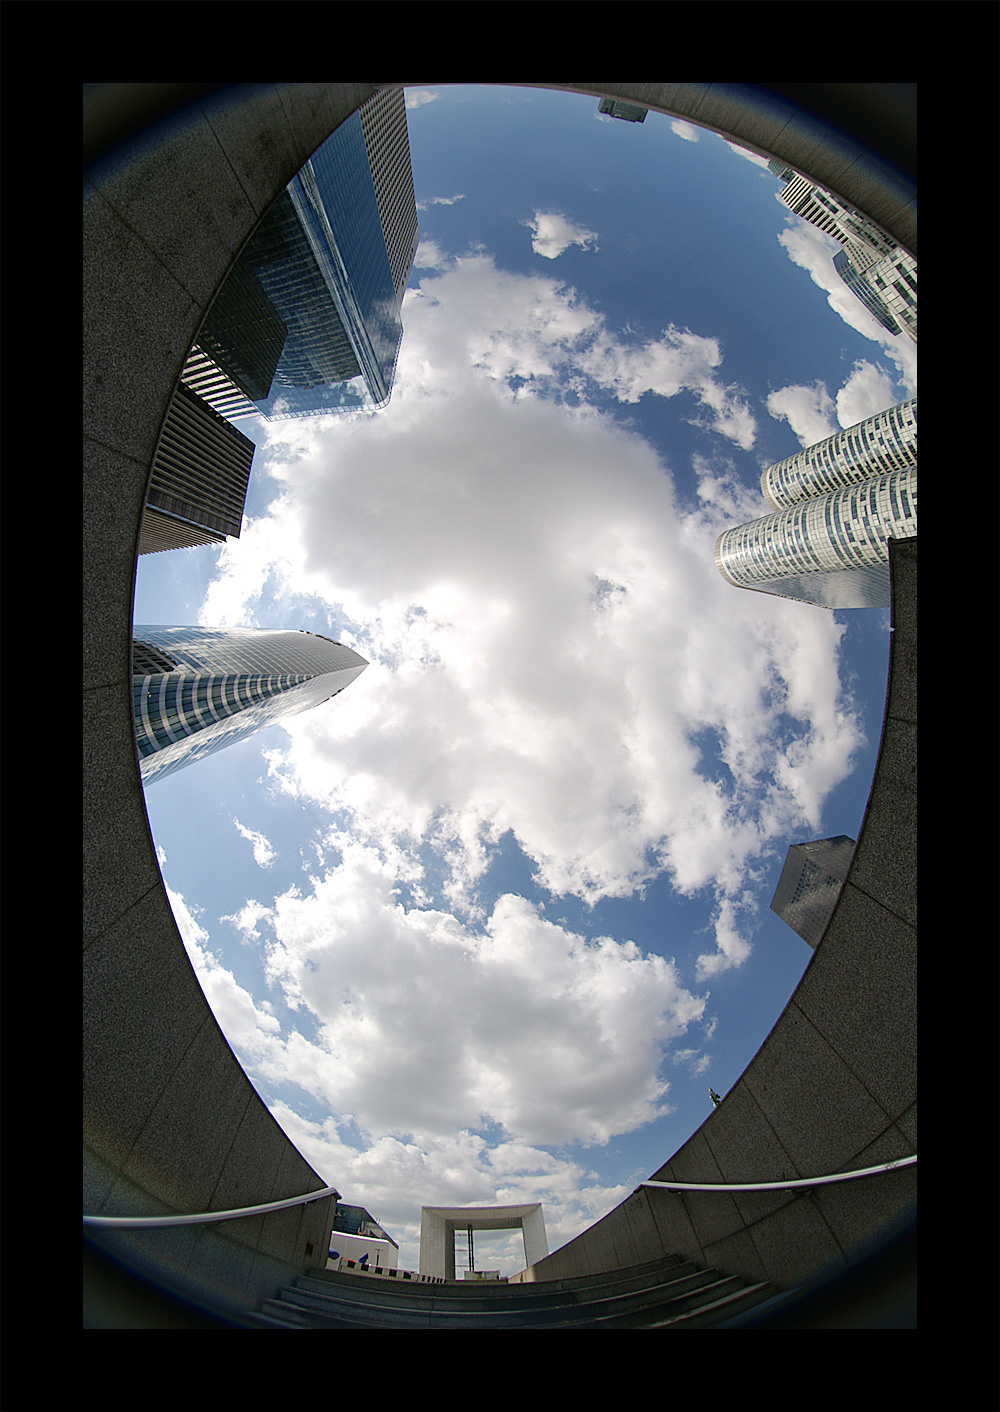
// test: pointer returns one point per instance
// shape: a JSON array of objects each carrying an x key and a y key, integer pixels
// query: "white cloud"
[
  {"x": 685, "y": 130},
  {"x": 430, "y": 256},
  {"x": 248, "y": 1027},
  {"x": 809, "y": 411},
  {"x": 418, "y": 97},
  {"x": 814, "y": 415},
  {"x": 868, "y": 390},
  {"x": 746, "y": 154},
  {"x": 546, "y": 628},
  {"x": 263, "y": 854},
  {"x": 523, "y": 1023},
  {"x": 552, "y": 234},
  {"x": 549, "y": 643},
  {"x": 440, "y": 201}
]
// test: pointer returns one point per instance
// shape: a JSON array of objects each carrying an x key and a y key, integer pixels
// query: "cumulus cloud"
[
  {"x": 430, "y": 256},
  {"x": 545, "y": 637},
  {"x": 263, "y": 854},
  {"x": 809, "y": 411},
  {"x": 248, "y": 1027},
  {"x": 552, "y": 234},
  {"x": 685, "y": 130},
  {"x": 418, "y": 97},
  {"x": 550, "y": 646},
  {"x": 868, "y": 390},
  {"x": 523, "y": 1024},
  {"x": 814, "y": 415}
]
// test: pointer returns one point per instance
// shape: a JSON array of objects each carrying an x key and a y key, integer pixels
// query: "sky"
[{"x": 486, "y": 928}]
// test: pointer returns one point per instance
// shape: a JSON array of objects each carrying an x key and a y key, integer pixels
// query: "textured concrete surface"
[{"x": 171, "y": 1121}]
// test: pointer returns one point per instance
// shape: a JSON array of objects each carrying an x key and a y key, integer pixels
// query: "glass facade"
[
  {"x": 831, "y": 550},
  {"x": 872, "y": 265},
  {"x": 810, "y": 883},
  {"x": 197, "y": 690},
  {"x": 856, "y": 284},
  {"x": 883, "y": 443},
  {"x": 308, "y": 321}
]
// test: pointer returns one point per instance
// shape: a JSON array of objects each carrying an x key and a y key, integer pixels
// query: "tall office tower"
[
  {"x": 871, "y": 264},
  {"x": 628, "y": 112},
  {"x": 839, "y": 503},
  {"x": 880, "y": 444},
  {"x": 309, "y": 321},
  {"x": 199, "y": 480},
  {"x": 196, "y": 690},
  {"x": 810, "y": 884}
]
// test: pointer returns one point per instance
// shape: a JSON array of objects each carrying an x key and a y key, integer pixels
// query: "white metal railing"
[
  {"x": 782, "y": 1186},
  {"x": 120, "y": 1222}
]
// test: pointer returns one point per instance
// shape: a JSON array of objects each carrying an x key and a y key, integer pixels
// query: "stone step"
[{"x": 692, "y": 1299}]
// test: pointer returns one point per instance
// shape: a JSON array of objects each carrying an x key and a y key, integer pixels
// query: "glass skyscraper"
[
  {"x": 309, "y": 319},
  {"x": 872, "y": 265},
  {"x": 810, "y": 883},
  {"x": 196, "y": 690},
  {"x": 837, "y": 504}
]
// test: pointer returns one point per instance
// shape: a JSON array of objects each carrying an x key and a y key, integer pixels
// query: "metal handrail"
[
  {"x": 209, "y": 1216},
  {"x": 782, "y": 1186}
]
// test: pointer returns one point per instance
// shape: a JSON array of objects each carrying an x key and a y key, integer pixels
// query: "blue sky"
[{"x": 487, "y": 927}]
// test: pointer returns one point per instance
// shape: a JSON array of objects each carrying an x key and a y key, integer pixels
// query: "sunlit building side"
[
  {"x": 197, "y": 690},
  {"x": 837, "y": 505}
]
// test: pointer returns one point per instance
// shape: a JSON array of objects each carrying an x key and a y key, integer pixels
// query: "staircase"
[{"x": 672, "y": 1293}]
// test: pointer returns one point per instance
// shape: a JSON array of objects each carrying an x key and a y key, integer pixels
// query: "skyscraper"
[
  {"x": 199, "y": 480},
  {"x": 883, "y": 276},
  {"x": 837, "y": 504},
  {"x": 810, "y": 883},
  {"x": 196, "y": 690},
  {"x": 309, "y": 321},
  {"x": 628, "y": 112}
]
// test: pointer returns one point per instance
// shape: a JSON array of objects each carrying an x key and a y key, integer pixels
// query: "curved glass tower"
[
  {"x": 880, "y": 444},
  {"x": 838, "y": 503},
  {"x": 196, "y": 690},
  {"x": 308, "y": 320}
]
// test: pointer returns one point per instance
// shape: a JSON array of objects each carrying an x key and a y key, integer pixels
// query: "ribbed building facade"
[
  {"x": 877, "y": 446},
  {"x": 197, "y": 690},
  {"x": 309, "y": 320},
  {"x": 873, "y": 267},
  {"x": 837, "y": 504},
  {"x": 199, "y": 479}
]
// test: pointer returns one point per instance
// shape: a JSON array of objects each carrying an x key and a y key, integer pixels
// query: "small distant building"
[
  {"x": 810, "y": 884},
  {"x": 356, "y": 1234},
  {"x": 628, "y": 112}
]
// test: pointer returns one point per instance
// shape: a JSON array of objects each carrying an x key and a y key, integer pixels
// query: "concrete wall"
[{"x": 170, "y": 1120}]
